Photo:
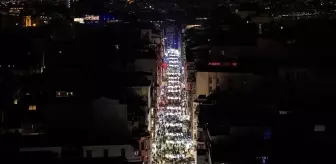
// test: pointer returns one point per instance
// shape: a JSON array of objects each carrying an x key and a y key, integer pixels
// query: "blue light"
[
  {"x": 264, "y": 160},
  {"x": 267, "y": 134},
  {"x": 107, "y": 17}
]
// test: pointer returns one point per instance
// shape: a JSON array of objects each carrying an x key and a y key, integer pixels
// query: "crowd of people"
[{"x": 173, "y": 140}]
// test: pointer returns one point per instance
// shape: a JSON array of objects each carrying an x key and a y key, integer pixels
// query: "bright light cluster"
[{"x": 173, "y": 141}]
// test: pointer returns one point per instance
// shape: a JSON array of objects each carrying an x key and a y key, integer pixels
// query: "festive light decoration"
[{"x": 173, "y": 141}]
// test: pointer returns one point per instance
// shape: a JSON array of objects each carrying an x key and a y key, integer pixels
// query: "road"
[{"x": 172, "y": 143}]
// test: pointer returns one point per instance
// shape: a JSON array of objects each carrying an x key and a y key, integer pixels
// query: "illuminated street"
[{"x": 173, "y": 141}]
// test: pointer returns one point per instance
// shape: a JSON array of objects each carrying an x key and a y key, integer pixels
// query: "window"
[
  {"x": 89, "y": 153},
  {"x": 201, "y": 146},
  {"x": 210, "y": 89},
  {"x": 15, "y": 101},
  {"x": 304, "y": 75},
  {"x": 287, "y": 76},
  {"x": 210, "y": 79},
  {"x": 142, "y": 145},
  {"x": 281, "y": 112},
  {"x": 64, "y": 94},
  {"x": 229, "y": 83},
  {"x": 32, "y": 107},
  {"x": 123, "y": 152},
  {"x": 106, "y": 153},
  {"x": 136, "y": 152},
  {"x": 319, "y": 128}
]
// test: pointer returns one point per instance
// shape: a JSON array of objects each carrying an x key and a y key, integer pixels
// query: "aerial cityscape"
[{"x": 167, "y": 82}]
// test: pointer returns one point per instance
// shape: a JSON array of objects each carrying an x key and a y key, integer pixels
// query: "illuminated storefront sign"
[
  {"x": 91, "y": 17},
  {"x": 79, "y": 20},
  {"x": 191, "y": 26}
]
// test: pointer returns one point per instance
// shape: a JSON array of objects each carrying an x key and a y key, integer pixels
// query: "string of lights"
[{"x": 173, "y": 142}]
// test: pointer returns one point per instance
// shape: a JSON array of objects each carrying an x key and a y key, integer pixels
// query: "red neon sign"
[{"x": 214, "y": 63}]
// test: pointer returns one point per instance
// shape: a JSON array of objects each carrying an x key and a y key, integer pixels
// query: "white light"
[
  {"x": 174, "y": 87},
  {"x": 173, "y": 73},
  {"x": 173, "y": 81},
  {"x": 172, "y": 140},
  {"x": 173, "y": 98},
  {"x": 174, "y": 91},
  {"x": 176, "y": 108},
  {"x": 169, "y": 77}
]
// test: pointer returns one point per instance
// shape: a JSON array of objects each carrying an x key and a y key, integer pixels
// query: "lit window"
[
  {"x": 32, "y": 107},
  {"x": 64, "y": 94},
  {"x": 15, "y": 101},
  {"x": 319, "y": 128},
  {"x": 136, "y": 152},
  {"x": 283, "y": 112}
]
